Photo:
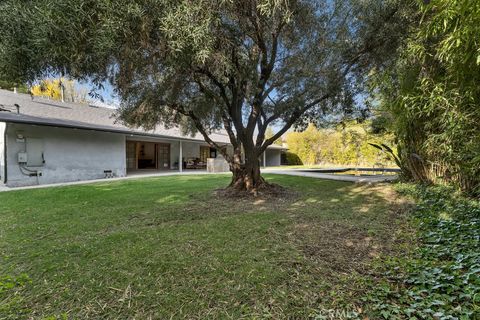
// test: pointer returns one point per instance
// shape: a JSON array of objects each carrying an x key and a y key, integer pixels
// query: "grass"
[{"x": 168, "y": 247}]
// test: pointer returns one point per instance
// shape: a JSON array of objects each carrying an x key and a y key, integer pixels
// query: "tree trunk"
[{"x": 246, "y": 177}]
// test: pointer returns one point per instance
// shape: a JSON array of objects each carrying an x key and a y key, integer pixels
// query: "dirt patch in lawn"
[
  {"x": 336, "y": 247},
  {"x": 274, "y": 196},
  {"x": 348, "y": 246}
]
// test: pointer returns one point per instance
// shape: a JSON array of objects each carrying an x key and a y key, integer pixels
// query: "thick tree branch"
[
  {"x": 199, "y": 126},
  {"x": 293, "y": 118},
  {"x": 221, "y": 87},
  {"x": 266, "y": 68},
  {"x": 227, "y": 121}
]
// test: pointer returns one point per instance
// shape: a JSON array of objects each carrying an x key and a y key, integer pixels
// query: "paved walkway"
[
  {"x": 313, "y": 173},
  {"x": 135, "y": 175},
  {"x": 292, "y": 172}
]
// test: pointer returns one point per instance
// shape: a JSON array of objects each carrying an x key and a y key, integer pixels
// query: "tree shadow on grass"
[
  {"x": 171, "y": 235},
  {"x": 341, "y": 230}
]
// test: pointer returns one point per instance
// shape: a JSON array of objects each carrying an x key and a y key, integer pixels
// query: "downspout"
[{"x": 5, "y": 156}]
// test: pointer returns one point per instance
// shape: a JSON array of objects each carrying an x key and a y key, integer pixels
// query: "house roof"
[{"x": 41, "y": 111}]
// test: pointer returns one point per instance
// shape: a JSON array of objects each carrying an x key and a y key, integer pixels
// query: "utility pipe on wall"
[{"x": 180, "y": 157}]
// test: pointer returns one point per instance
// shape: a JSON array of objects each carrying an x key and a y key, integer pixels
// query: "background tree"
[
  {"x": 306, "y": 144},
  {"x": 52, "y": 89},
  {"x": 9, "y": 85},
  {"x": 240, "y": 66},
  {"x": 431, "y": 95},
  {"x": 270, "y": 133},
  {"x": 47, "y": 88},
  {"x": 346, "y": 144}
]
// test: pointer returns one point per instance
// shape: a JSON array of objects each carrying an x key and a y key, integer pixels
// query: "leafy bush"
[
  {"x": 293, "y": 159},
  {"x": 341, "y": 145},
  {"x": 440, "y": 279},
  {"x": 432, "y": 95}
]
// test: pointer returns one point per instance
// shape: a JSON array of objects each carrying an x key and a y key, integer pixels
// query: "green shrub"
[
  {"x": 440, "y": 279},
  {"x": 346, "y": 144},
  {"x": 431, "y": 95},
  {"x": 293, "y": 159}
]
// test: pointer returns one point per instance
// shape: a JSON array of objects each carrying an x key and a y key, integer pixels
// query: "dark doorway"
[{"x": 147, "y": 155}]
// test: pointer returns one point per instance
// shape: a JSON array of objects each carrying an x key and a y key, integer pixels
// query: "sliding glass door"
[
  {"x": 147, "y": 155},
  {"x": 131, "y": 150},
  {"x": 163, "y": 156}
]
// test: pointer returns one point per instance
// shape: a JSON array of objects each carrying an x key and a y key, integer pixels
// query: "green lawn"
[{"x": 168, "y": 247}]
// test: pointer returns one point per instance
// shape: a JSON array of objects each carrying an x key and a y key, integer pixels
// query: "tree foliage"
[
  {"x": 240, "y": 66},
  {"x": 270, "y": 133},
  {"x": 52, "y": 89},
  {"x": 432, "y": 95},
  {"x": 47, "y": 88},
  {"x": 347, "y": 144},
  {"x": 9, "y": 85}
]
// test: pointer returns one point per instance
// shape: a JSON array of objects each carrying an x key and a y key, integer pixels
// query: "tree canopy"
[
  {"x": 240, "y": 66},
  {"x": 8, "y": 85},
  {"x": 431, "y": 94},
  {"x": 345, "y": 144}
]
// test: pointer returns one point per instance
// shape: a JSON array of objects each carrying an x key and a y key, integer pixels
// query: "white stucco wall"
[
  {"x": 189, "y": 150},
  {"x": 70, "y": 155},
  {"x": 2, "y": 151},
  {"x": 272, "y": 157}
]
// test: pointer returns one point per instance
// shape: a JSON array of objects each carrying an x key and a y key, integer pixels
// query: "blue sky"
[{"x": 107, "y": 93}]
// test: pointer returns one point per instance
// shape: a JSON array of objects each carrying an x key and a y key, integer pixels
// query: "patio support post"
[
  {"x": 264, "y": 159},
  {"x": 180, "y": 157}
]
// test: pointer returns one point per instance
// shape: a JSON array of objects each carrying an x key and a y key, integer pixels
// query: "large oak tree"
[{"x": 205, "y": 65}]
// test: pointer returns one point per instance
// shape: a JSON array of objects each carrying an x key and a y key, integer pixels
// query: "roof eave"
[{"x": 46, "y": 123}]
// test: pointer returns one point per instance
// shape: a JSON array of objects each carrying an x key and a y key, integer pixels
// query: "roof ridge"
[{"x": 32, "y": 98}]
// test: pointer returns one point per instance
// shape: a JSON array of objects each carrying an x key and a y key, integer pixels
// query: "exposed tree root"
[{"x": 261, "y": 190}]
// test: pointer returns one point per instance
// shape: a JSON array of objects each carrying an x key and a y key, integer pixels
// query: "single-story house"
[{"x": 44, "y": 141}]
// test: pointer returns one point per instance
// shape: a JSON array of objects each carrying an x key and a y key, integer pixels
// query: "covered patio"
[
  {"x": 145, "y": 155},
  {"x": 149, "y": 155}
]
